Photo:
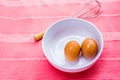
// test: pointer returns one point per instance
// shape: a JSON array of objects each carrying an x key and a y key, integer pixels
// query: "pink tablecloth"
[{"x": 22, "y": 59}]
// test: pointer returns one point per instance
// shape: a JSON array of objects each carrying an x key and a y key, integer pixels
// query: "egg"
[
  {"x": 72, "y": 50},
  {"x": 89, "y": 48}
]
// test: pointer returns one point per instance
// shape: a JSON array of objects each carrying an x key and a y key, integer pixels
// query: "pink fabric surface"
[{"x": 23, "y": 59}]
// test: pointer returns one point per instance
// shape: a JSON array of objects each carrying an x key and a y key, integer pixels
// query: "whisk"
[{"x": 84, "y": 12}]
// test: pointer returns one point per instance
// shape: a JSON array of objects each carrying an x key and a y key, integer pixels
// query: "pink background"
[{"x": 22, "y": 59}]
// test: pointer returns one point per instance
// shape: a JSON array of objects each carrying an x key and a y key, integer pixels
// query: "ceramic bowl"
[{"x": 61, "y": 32}]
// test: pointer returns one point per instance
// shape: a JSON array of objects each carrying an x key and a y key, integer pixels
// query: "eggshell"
[
  {"x": 89, "y": 48},
  {"x": 72, "y": 50}
]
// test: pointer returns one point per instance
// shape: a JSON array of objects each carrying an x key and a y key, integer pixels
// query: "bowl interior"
[{"x": 63, "y": 31}]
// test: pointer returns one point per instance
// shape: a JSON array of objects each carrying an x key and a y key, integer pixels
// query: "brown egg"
[
  {"x": 72, "y": 51},
  {"x": 89, "y": 48}
]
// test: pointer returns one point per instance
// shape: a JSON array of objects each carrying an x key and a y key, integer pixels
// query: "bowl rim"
[{"x": 73, "y": 68}]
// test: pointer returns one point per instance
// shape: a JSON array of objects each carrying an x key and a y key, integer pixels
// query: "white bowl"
[{"x": 58, "y": 34}]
